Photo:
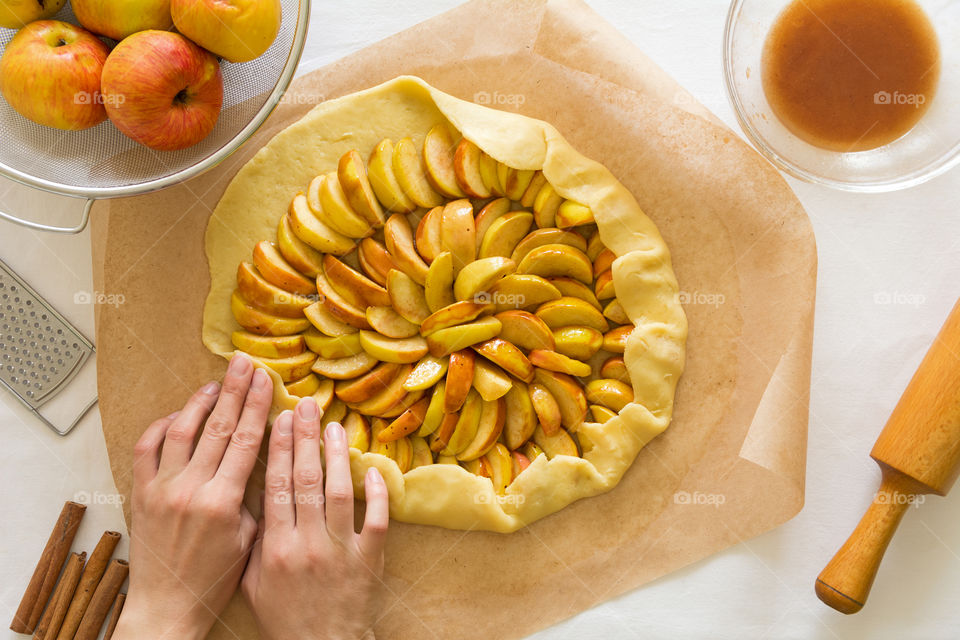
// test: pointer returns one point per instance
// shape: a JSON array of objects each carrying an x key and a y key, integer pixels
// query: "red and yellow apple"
[
  {"x": 118, "y": 19},
  {"x": 15, "y": 14},
  {"x": 236, "y": 30}
]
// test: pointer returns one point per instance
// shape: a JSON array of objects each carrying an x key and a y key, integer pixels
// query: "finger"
[
  {"x": 244, "y": 446},
  {"x": 178, "y": 443},
  {"x": 251, "y": 574},
  {"x": 373, "y": 536},
  {"x": 222, "y": 423},
  {"x": 307, "y": 472},
  {"x": 339, "y": 486},
  {"x": 278, "y": 510},
  {"x": 146, "y": 453}
]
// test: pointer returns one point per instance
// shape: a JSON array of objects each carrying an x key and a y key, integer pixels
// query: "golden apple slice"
[
  {"x": 489, "y": 172},
  {"x": 552, "y": 260},
  {"x": 316, "y": 233},
  {"x": 604, "y": 286},
  {"x": 573, "y": 214},
  {"x": 466, "y": 168},
  {"x": 490, "y": 213},
  {"x": 458, "y": 233},
  {"x": 452, "y": 315},
  {"x": 428, "y": 372},
  {"x": 615, "y": 312},
  {"x": 516, "y": 182},
  {"x": 543, "y": 237},
  {"x": 406, "y": 423},
  {"x": 504, "y": 234},
  {"x": 508, "y": 357},
  {"x": 344, "y": 368},
  {"x": 603, "y": 262},
  {"x": 375, "y": 260},
  {"x": 268, "y": 346},
  {"x": 529, "y": 197},
  {"x": 568, "y": 311},
  {"x": 399, "y": 239},
  {"x": 298, "y": 253},
  {"x": 609, "y": 393},
  {"x": 521, "y": 418},
  {"x": 390, "y": 396},
  {"x": 553, "y": 361},
  {"x": 518, "y": 291},
  {"x": 479, "y": 276},
  {"x": 352, "y": 175},
  {"x": 323, "y": 396},
  {"x": 333, "y": 346},
  {"x": 559, "y": 444},
  {"x": 409, "y": 169},
  {"x": 595, "y": 246},
  {"x": 445, "y": 341},
  {"x": 385, "y": 449},
  {"x": 478, "y": 467},
  {"x": 501, "y": 464},
  {"x": 615, "y": 340},
  {"x": 336, "y": 211},
  {"x": 545, "y": 206},
  {"x": 256, "y": 321},
  {"x": 489, "y": 380},
  {"x": 403, "y": 455},
  {"x": 269, "y": 297},
  {"x": 578, "y": 342},
  {"x": 531, "y": 450},
  {"x": 459, "y": 380},
  {"x": 355, "y": 287},
  {"x": 388, "y": 322},
  {"x": 568, "y": 394},
  {"x": 434, "y": 414},
  {"x": 292, "y": 368},
  {"x": 438, "y": 287},
  {"x": 576, "y": 289},
  {"x": 335, "y": 412},
  {"x": 277, "y": 271},
  {"x": 384, "y": 181},
  {"x": 358, "y": 431},
  {"x": 520, "y": 463},
  {"x": 467, "y": 425},
  {"x": 546, "y": 408},
  {"x": 305, "y": 386},
  {"x": 601, "y": 414},
  {"x": 615, "y": 368},
  {"x": 446, "y": 460},
  {"x": 325, "y": 322},
  {"x": 441, "y": 437},
  {"x": 340, "y": 307},
  {"x": 407, "y": 297},
  {"x": 439, "y": 148},
  {"x": 405, "y": 402},
  {"x": 367, "y": 385},
  {"x": 422, "y": 456},
  {"x": 428, "y": 234},
  {"x": 525, "y": 330},
  {"x": 398, "y": 350}
]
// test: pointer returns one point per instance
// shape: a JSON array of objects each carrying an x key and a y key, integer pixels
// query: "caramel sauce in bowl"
[{"x": 861, "y": 95}]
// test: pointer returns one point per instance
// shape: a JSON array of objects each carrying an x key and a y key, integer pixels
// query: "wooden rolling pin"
[{"x": 918, "y": 452}]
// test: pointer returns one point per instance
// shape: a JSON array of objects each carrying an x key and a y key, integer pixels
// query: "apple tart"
[{"x": 489, "y": 314}]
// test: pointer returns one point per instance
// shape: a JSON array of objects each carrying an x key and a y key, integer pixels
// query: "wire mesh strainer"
[{"x": 103, "y": 163}]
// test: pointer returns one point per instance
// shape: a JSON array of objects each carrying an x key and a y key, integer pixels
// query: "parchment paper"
[{"x": 731, "y": 465}]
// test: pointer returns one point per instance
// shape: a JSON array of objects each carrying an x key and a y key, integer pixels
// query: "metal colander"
[{"x": 101, "y": 162}]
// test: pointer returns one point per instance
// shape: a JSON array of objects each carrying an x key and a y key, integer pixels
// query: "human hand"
[
  {"x": 310, "y": 575},
  {"x": 191, "y": 535}
]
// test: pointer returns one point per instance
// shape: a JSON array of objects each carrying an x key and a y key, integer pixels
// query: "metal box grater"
[{"x": 40, "y": 352}]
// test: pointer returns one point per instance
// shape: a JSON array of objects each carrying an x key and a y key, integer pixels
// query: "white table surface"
[{"x": 904, "y": 247}]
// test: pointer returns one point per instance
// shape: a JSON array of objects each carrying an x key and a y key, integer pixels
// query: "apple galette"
[{"x": 490, "y": 315}]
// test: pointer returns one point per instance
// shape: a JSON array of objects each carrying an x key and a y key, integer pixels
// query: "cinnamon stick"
[
  {"x": 115, "y": 615},
  {"x": 103, "y": 597},
  {"x": 60, "y": 600},
  {"x": 48, "y": 569},
  {"x": 92, "y": 574}
]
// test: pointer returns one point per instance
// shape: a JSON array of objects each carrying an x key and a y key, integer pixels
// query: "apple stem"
[{"x": 181, "y": 97}]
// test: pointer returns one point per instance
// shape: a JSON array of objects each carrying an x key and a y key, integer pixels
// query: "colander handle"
[{"x": 84, "y": 218}]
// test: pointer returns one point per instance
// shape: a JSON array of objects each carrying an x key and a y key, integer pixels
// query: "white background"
[{"x": 905, "y": 246}]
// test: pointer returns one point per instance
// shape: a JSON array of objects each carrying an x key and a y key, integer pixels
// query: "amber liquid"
[{"x": 851, "y": 75}]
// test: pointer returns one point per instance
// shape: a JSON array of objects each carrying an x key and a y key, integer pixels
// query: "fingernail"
[
  {"x": 212, "y": 388},
  {"x": 260, "y": 379},
  {"x": 173, "y": 416},
  {"x": 335, "y": 432},
  {"x": 307, "y": 408},
  {"x": 284, "y": 423},
  {"x": 239, "y": 364},
  {"x": 373, "y": 475}
]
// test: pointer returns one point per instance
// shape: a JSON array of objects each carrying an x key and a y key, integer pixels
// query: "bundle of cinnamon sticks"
[{"x": 72, "y": 604}]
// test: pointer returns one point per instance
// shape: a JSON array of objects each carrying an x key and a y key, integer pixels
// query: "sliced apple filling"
[{"x": 444, "y": 307}]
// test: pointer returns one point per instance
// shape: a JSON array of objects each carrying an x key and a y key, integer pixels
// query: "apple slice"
[
  {"x": 459, "y": 380},
  {"x": 358, "y": 431},
  {"x": 352, "y": 175},
  {"x": 325, "y": 322},
  {"x": 507, "y": 356},
  {"x": 533, "y": 189},
  {"x": 518, "y": 291},
  {"x": 340, "y": 307},
  {"x": 595, "y": 246},
  {"x": 256, "y": 321},
  {"x": 559, "y": 444},
  {"x": 438, "y": 157},
  {"x": 466, "y": 168},
  {"x": 573, "y": 214},
  {"x": 408, "y": 422},
  {"x": 525, "y": 330},
  {"x": 391, "y": 395},
  {"x": 445, "y": 341},
  {"x": 615, "y": 340},
  {"x": 292, "y": 368},
  {"x": 303, "y": 387},
  {"x": 375, "y": 260},
  {"x": 553, "y": 361},
  {"x": 344, "y": 368},
  {"x": 269, "y": 297},
  {"x": 407, "y": 297},
  {"x": 546, "y": 408},
  {"x": 403, "y": 454},
  {"x": 503, "y": 235},
  {"x": 267, "y": 346},
  {"x": 315, "y": 233},
  {"x": 446, "y": 459},
  {"x": 501, "y": 464},
  {"x": 603, "y": 262},
  {"x": 521, "y": 418},
  {"x": 385, "y": 449},
  {"x": 609, "y": 393},
  {"x": 478, "y": 467},
  {"x": 458, "y": 233},
  {"x": 545, "y": 206},
  {"x": 516, "y": 182},
  {"x": 398, "y": 350},
  {"x": 337, "y": 211},
  {"x": 615, "y": 368},
  {"x": 388, "y": 322},
  {"x": 520, "y": 463},
  {"x": 604, "y": 287},
  {"x": 568, "y": 311},
  {"x": 323, "y": 396},
  {"x": 422, "y": 456},
  {"x": 384, "y": 181},
  {"x": 333, "y": 346},
  {"x": 615, "y": 312},
  {"x": 428, "y": 234},
  {"x": 467, "y": 425},
  {"x": 453, "y": 314},
  {"x": 580, "y": 343},
  {"x": 489, "y": 380},
  {"x": 479, "y": 276},
  {"x": 367, "y": 385},
  {"x": 552, "y": 260},
  {"x": 493, "y": 415},
  {"x": 531, "y": 450},
  {"x": 434, "y": 415},
  {"x": 399, "y": 241},
  {"x": 576, "y": 289},
  {"x": 568, "y": 394},
  {"x": 438, "y": 286},
  {"x": 335, "y": 412},
  {"x": 543, "y": 237},
  {"x": 409, "y": 169},
  {"x": 490, "y": 213},
  {"x": 489, "y": 172},
  {"x": 428, "y": 372},
  {"x": 276, "y": 270},
  {"x": 601, "y": 414},
  {"x": 355, "y": 287},
  {"x": 441, "y": 437},
  {"x": 298, "y": 253}
]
